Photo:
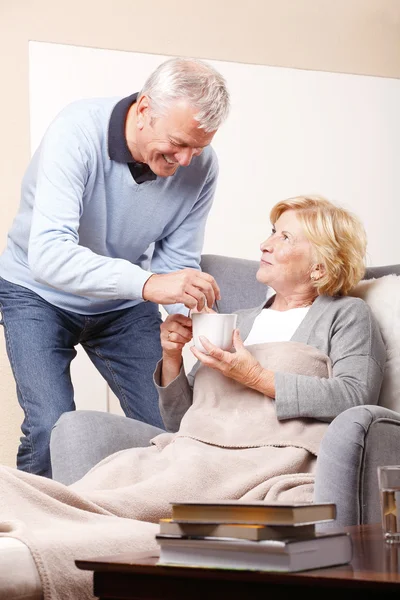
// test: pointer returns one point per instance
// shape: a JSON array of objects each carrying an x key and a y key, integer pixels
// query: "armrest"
[
  {"x": 81, "y": 439},
  {"x": 355, "y": 443},
  {"x": 19, "y": 576}
]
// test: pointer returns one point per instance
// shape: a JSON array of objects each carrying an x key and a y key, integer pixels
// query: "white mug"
[{"x": 216, "y": 327}]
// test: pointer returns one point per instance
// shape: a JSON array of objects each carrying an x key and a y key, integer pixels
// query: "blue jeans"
[{"x": 123, "y": 345}]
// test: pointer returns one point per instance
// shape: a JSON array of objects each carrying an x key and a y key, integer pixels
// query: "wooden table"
[{"x": 373, "y": 573}]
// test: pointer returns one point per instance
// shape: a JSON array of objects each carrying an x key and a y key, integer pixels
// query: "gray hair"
[{"x": 193, "y": 80}]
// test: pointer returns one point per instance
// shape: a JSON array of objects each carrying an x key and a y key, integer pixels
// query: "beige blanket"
[{"x": 230, "y": 445}]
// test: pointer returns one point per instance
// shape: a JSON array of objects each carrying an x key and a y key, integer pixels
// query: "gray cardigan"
[{"x": 344, "y": 328}]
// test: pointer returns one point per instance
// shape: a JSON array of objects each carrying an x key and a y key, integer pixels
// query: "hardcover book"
[
  {"x": 235, "y": 530},
  {"x": 258, "y": 513},
  {"x": 321, "y": 550}
]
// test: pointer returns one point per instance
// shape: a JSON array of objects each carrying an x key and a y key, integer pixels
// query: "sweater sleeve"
[
  {"x": 54, "y": 254},
  {"x": 358, "y": 357},
  {"x": 175, "y": 398},
  {"x": 182, "y": 248}
]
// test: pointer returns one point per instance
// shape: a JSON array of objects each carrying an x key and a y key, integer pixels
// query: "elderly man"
[{"x": 111, "y": 224}]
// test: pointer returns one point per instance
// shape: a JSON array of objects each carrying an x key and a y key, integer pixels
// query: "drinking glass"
[{"x": 389, "y": 489}]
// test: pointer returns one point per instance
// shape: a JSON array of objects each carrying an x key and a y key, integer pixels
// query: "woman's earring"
[{"x": 314, "y": 276}]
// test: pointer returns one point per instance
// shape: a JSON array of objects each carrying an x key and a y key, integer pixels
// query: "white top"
[{"x": 275, "y": 325}]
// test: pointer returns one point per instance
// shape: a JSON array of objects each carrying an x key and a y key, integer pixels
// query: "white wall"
[{"x": 290, "y": 132}]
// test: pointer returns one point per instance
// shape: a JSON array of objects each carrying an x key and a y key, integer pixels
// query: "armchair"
[{"x": 356, "y": 441}]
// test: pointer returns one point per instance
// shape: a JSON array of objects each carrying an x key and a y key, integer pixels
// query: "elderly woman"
[
  {"x": 313, "y": 257},
  {"x": 244, "y": 425}
]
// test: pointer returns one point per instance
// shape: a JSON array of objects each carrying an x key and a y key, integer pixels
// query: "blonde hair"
[{"x": 338, "y": 238}]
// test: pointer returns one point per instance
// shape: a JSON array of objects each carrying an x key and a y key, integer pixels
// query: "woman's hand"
[
  {"x": 240, "y": 365},
  {"x": 176, "y": 331}
]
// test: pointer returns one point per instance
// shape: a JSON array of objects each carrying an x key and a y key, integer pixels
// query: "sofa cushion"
[{"x": 383, "y": 296}]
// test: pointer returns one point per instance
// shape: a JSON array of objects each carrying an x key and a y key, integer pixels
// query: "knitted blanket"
[{"x": 230, "y": 446}]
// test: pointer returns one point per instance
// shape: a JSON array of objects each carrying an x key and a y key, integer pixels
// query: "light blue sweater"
[{"x": 87, "y": 236}]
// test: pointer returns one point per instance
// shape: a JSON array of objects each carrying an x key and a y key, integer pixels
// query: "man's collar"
[{"x": 118, "y": 148}]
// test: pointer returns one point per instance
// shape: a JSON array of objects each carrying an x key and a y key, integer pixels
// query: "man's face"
[{"x": 168, "y": 142}]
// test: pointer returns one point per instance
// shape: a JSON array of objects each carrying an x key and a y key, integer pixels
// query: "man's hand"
[{"x": 193, "y": 288}]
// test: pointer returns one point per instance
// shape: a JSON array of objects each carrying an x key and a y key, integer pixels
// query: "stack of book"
[{"x": 252, "y": 536}]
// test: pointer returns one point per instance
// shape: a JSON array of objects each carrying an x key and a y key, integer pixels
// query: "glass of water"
[{"x": 389, "y": 489}]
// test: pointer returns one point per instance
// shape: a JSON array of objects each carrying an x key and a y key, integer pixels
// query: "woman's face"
[{"x": 287, "y": 256}]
